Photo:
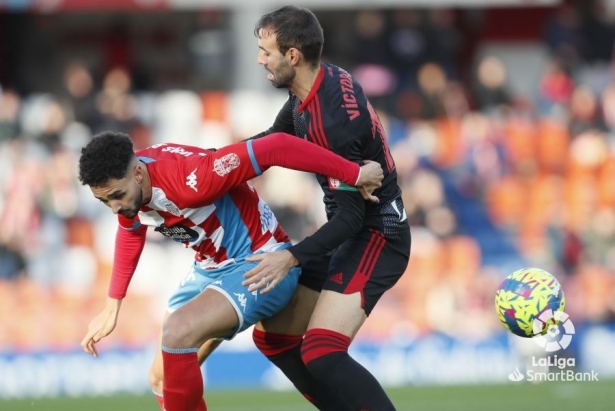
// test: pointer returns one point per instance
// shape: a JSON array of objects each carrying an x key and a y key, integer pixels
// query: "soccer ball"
[{"x": 523, "y": 296}]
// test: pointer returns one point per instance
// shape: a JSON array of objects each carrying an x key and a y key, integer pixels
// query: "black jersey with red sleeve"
[{"x": 337, "y": 115}]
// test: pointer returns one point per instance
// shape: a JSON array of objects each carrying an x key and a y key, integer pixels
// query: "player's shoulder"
[
  {"x": 342, "y": 93},
  {"x": 337, "y": 79}
]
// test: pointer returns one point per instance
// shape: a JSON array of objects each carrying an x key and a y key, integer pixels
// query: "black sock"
[
  {"x": 318, "y": 393},
  {"x": 352, "y": 380},
  {"x": 325, "y": 352}
]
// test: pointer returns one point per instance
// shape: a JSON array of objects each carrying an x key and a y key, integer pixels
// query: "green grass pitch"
[{"x": 563, "y": 396}]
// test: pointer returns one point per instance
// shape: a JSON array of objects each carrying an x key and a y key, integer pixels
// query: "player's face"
[
  {"x": 281, "y": 73},
  {"x": 123, "y": 196}
]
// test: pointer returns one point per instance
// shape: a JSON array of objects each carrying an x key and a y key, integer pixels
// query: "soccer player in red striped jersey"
[
  {"x": 200, "y": 199},
  {"x": 361, "y": 251}
]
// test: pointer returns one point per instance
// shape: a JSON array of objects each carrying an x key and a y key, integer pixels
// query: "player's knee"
[
  {"x": 155, "y": 380},
  {"x": 321, "y": 349},
  {"x": 272, "y": 344},
  {"x": 177, "y": 333}
]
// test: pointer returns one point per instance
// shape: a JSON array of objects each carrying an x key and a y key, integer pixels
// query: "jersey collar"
[{"x": 314, "y": 90}]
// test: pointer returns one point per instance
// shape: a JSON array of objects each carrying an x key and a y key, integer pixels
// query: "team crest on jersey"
[
  {"x": 226, "y": 164},
  {"x": 171, "y": 207},
  {"x": 334, "y": 183}
]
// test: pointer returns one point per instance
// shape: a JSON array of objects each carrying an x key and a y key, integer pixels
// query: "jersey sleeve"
[
  {"x": 351, "y": 206},
  {"x": 283, "y": 122},
  {"x": 129, "y": 243},
  {"x": 343, "y": 225},
  {"x": 210, "y": 177}
]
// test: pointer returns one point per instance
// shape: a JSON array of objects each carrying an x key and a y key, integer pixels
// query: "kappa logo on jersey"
[
  {"x": 243, "y": 301},
  {"x": 179, "y": 233},
  {"x": 191, "y": 180},
  {"x": 226, "y": 164},
  {"x": 171, "y": 207}
]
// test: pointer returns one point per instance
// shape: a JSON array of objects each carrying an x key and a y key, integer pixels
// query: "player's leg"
[
  {"x": 189, "y": 288},
  {"x": 208, "y": 315},
  {"x": 222, "y": 310},
  {"x": 360, "y": 272},
  {"x": 156, "y": 370},
  {"x": 279, "y": 339}
]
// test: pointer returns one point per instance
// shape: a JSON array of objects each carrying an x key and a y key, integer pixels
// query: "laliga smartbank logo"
[
  {"x": 560, "y": 330},
  {"x": 558, "y": 336}
]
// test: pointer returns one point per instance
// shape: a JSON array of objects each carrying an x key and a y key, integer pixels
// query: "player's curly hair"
[
  {"x": 107, "y": 156},
  {"x": 295, "y": 27}
]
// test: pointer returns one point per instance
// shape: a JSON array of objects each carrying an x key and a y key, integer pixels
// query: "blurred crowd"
[{"x": 493, "y": 180}]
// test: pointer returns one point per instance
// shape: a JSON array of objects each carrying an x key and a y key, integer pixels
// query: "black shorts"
[{"x": 370, "y": 263}]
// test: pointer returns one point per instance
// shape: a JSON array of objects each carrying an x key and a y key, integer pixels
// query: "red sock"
[
  {"x": 160, "y": 400},
  {"x": 272, "y": 344},
  {"x": 183, "y": 381}
]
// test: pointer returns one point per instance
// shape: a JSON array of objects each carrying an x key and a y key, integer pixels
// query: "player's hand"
[
  {"x": 101, "y": 326},
  {"x": 272, "y": 269},
  {"x": 370, "y": 180}
]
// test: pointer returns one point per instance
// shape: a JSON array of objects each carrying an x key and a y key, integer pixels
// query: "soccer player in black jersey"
[{"x": 359, "y": 253}]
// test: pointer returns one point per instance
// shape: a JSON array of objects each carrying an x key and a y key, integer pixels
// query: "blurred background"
[{"x": 500, "y": 116}]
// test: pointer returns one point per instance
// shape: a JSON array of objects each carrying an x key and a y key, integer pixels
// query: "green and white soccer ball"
[{"x": 524, "y": 296}]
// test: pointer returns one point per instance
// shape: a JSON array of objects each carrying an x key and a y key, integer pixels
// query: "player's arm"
[
  {"x": 350, "y": 215},
  {"x": 129, "y": 242},
  {"x": 283, "y": 122},
  {"x": 230, "y": 166},
  {"x": 347, "y": 221},
  {"x": 343, "y": 225}
]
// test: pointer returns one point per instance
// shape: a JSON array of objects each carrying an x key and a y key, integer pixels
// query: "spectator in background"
[
  {"x": 598, "y": 32},
  {"x": 444, "y": 41},
  {"x": 115, "y": 103},
  {"x": 555, "y": 88},
  {"x": 408, "y": 45},
  {"x": 562, "y": 35},
  {"x": 10, "y": 104},
  {"x": 584, "y": 112},
  {"x": 491, "y": 89},
  {"x": 81, "y": 101},
  {"x": 370, "y": 45},
  {"x": 607, "y": 106},
  {"x": 432, "y": 84}
]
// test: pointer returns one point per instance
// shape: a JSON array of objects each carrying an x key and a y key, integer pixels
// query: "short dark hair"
[
  {"x": 295, "y": 27},
  {"x": 107, "y": 156}
]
